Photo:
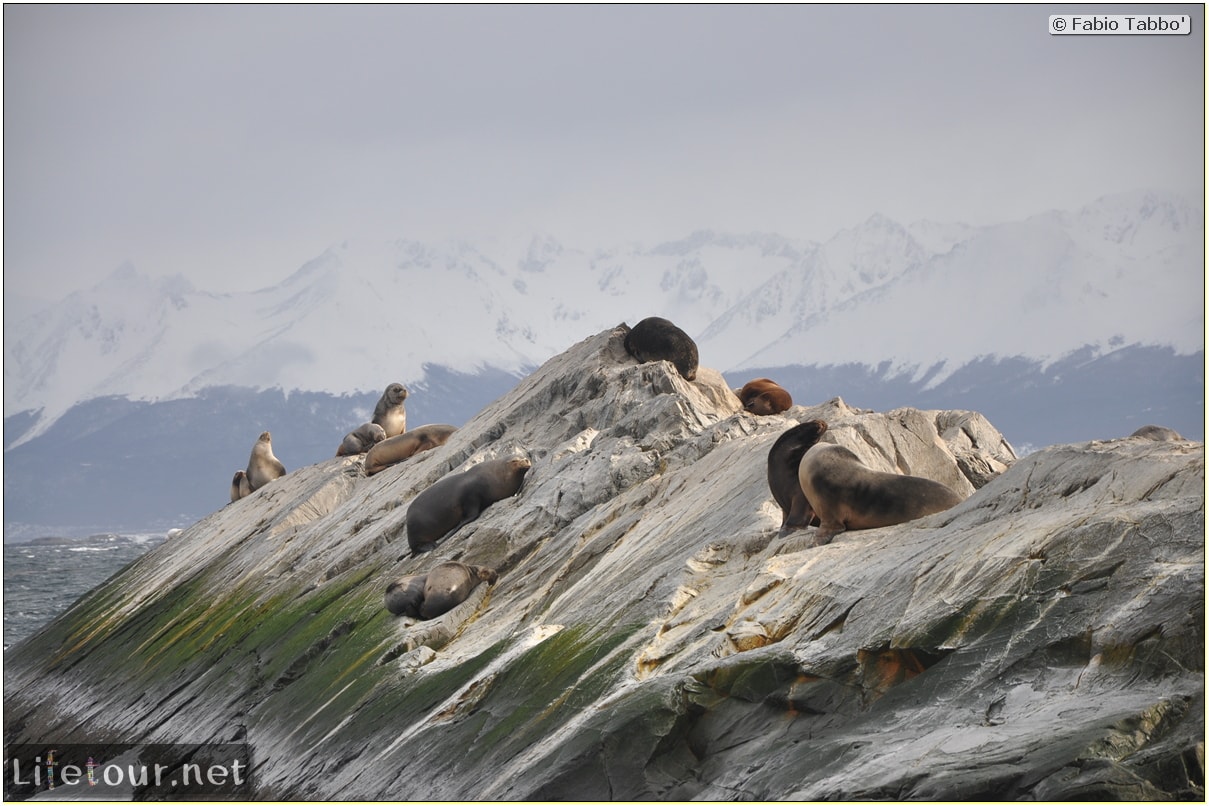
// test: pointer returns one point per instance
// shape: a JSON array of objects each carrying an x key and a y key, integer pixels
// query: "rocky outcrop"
[{"x": 649, "y": 636}]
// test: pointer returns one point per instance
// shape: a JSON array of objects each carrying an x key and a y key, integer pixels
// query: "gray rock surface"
[{"x": 649, "y": 636}]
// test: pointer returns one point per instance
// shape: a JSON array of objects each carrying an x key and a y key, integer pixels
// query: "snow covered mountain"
[
  {"x": 1059, "y": 328},
  {"x": 1122, "y": 271},
  {"x": 360, "y": 316},
  {"x": 923, "y": 299}
]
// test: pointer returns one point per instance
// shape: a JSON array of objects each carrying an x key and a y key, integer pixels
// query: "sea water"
[{"x": 44, "y": 577}]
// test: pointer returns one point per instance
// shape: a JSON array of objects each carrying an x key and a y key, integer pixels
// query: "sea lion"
[
  {"x": 456, "y": 500},
  {"x": 763, "y": 396},
  {"x": 389, "y": 412},
  {"x": 393, "y": 450},
  {"x": 263, "y": 466},
  {"x": 847, "y": 495},
  {"x": 365, "y": 437},
  {"x": 450, "y": 584},
  {"x": 783, "y": 460},
  {"x": 657, "y": 339},
  {"x": 1158, "y": 433},
  {"x": 405, "y": 595},
  {"x": 240, "y": 486}
]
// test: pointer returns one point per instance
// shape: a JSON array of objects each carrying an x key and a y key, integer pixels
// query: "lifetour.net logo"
[{"x": 126, "y": 771}]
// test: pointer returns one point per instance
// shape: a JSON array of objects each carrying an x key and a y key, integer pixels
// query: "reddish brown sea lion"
[{"x": 763, "y": 396}]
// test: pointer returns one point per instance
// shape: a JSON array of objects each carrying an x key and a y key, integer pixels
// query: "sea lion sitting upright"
[
  {"x": 389, "y": 413},
  {"x": 1158, "y": 433},
  {"x": 240, "y": 486},
  {"x": 657, "y": 339},
  {"x": 458, "y": 499},
  {"x": 365, "y": 437},
  {"x": 405, "y": 595},
  {"x": 783, "y": 460},
  {"x": 450, "y": 584},
  {"x": 393, "y": 450},
  {"x": 263, "y": 466},
  {"x": 763, "y": 396},
  {"x": 847, "y": 495}
]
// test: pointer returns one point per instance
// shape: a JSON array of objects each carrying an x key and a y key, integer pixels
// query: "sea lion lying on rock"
[
  {"x": 1158, "y": 433},
  {"x": 657, "y": 339},
  {"x": 405, "y": 595},
  {"x": 426, "y": 596},
  {"x": 763, "y": 397},
  {"x": 456, "y": 500},
  {"x": 393, "y": 450},
  {"x": 847, "y": 495},
  {"x": 450, "y": 584},
  {"x": 365, "y": 437}
]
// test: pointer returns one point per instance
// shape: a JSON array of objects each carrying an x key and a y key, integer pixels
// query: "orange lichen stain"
[{"x": 883, "y": 669}]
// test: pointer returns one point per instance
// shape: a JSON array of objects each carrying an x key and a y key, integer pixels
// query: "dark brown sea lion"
[
  {"x": 657, "y": 339},
  {"x": 783, "y": 460},
  {"x": 389, "y": 413},
  {"x": 449, "y": 584},
  {"x": 405, "y": 595},
  {"x": 847, "y": 495},
  {"x": 763, "y": 396},
  {"x": 458, "y": 499},
  {"x": 395, "y": 449}
]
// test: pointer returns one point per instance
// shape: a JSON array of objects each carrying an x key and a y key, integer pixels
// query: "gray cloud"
[{"x": 232, "y": 143}]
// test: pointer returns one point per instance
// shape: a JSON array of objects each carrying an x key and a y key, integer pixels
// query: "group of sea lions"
[
  {"x": 814, "y": 483},
  {"x": 823, "y": 485},
  {"x": 436, "y": 513},
  {"x": 657, "y": 339},
  {"x": 389, "y": 422},
  {"x": 828, "y": 486},
  {"x": 426, "y": 596}
]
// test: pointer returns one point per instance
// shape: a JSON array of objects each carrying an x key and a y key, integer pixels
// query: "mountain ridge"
[{"x": 362, "y": 314}]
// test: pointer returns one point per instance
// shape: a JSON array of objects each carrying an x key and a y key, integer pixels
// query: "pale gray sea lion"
[
  {"x": 389, "y": 413},
  {"x": 263, "y": 466},
  {"x": 393, "y": 450},
  {"x": 365, "y": 437},
  {"x": 1158, "y": 433},
  {"x": 847, "y": 495}
]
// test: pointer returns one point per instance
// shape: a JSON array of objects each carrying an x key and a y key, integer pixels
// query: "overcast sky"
[{"x": 233, "y": 143}]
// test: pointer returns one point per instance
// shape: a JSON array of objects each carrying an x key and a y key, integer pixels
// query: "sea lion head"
[{"x": 818, "y": 428}]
